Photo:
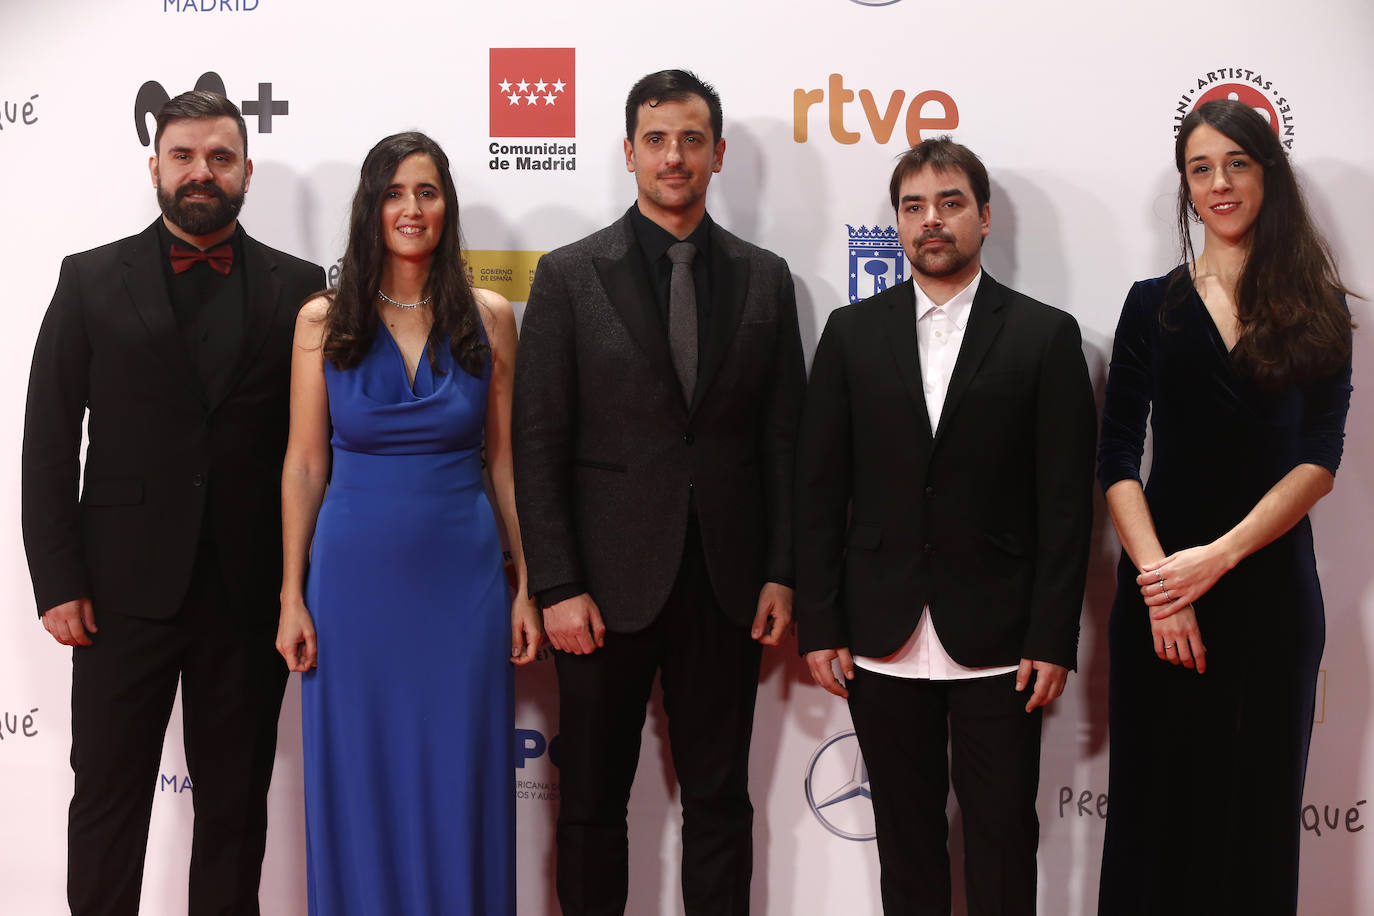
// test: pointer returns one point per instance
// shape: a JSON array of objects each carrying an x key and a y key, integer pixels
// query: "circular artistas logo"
[
  {"x": 1249, "y": 86},
  {"x": 837, "y": 788}
]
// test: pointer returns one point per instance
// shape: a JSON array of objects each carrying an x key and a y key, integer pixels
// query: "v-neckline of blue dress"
[{"x": 421, "y": 364}]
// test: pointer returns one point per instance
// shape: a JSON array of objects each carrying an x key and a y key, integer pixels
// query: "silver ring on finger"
[
  {"x": 1169, "y": 645},
  {"x": 1166, "y": 595}
]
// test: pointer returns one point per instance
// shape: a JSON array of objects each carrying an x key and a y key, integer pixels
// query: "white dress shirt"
[{"x": 939, "y": 334}]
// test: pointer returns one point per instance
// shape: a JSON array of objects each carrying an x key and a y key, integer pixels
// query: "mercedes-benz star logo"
[{"x": 837, "y": 788}]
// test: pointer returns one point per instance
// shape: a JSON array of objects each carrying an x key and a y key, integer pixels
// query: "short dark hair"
[
  {"x": 199, "y": 105},
  {"x": 943, "y": 155},
  {"x": 672, "y": 86}
]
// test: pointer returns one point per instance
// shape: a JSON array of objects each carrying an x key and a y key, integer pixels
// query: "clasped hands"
[{"x": 1169, "y": 588}]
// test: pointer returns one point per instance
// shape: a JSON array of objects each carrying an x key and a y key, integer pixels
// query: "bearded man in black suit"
[
  {"x": 656, "y": 403},
  {"x": 175, "y": 346},
  {"x": 944, "y": 513}
]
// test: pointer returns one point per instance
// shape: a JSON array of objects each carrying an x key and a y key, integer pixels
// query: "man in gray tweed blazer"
[{"x": 656, "y": 403}]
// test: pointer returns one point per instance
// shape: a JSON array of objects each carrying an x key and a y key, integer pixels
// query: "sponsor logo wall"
[{"x": 528, "y": 100}]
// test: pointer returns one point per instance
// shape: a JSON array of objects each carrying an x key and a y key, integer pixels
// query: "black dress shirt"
[
  {"x": 654, "y": 241},
  {"x": 209, "y": 309}
]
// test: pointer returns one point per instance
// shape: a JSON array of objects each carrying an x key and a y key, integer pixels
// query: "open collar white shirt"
[{"x": 939, "y": 334}]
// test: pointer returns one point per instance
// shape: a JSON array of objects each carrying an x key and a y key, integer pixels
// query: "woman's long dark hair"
[
  {"x": 1294, "y": 327},
  {"x": 352, "y": 317}
]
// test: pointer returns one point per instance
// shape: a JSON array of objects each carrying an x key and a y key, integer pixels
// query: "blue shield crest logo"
[{"x": 876, "y": 261}]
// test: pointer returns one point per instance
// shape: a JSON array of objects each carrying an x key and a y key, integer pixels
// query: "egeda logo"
[
  {"x": 151, "y": 97},
  {"x": 876, "y": 261},
  {"x": 837, "y": 788}
]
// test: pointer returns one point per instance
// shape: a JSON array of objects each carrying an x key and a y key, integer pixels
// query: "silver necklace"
[{"x": 403, "y": 305}]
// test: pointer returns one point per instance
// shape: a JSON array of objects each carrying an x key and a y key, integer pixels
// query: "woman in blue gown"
[
  {"x": 399, "y": 377},
  {"x": 1240, "y": 359}
]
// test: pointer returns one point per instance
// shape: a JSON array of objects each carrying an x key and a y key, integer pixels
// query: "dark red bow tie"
[{"x": 221, "y": 257}]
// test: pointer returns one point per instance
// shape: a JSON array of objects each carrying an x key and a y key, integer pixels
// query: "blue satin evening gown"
[{"x": 407, "y": 719}]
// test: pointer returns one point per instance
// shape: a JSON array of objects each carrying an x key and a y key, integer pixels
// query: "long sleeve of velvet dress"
[{"x": 1207, "y": 770}]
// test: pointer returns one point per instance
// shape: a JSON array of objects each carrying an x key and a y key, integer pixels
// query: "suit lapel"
[
  {"x": 262, "y": 298},
  {"x": 729, "y": 289},
  {"x": 984, "y": 324},
  {"x": 900, "y": 331},
  {"x": 627, "y": 287},
  {"x": 630, "y": 295},
  {"x": 147, "y": 291}
]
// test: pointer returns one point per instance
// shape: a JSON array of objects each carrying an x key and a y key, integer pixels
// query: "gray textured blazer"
[{"x": 608, "y": 454}]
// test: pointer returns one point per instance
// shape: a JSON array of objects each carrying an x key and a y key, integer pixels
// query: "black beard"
[
  {"x": 936, "y": 266},
  {"x": 199, "y": 218},
  {"x": 949, "y": 262}
]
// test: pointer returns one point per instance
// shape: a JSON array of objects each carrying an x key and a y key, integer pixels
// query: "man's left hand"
[
  {"x": 1049, "y": 681},
  {"x": 773, "y": 619}
]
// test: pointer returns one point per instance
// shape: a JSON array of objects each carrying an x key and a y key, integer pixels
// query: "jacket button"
[
  {"x": 930, "y": 491},
  {"x": 197, "y": 480},
  {"x": 930, "y": 548},
  {"x": 689, "y": 438}
]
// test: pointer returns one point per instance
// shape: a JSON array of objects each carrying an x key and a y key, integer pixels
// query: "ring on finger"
[
  {"x": 1169, "y": 645},
  {"x": 1166, "y": 595}
]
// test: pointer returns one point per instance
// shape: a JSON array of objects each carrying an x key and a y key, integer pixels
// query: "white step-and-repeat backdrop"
[{"x": 1072, "y": 105}]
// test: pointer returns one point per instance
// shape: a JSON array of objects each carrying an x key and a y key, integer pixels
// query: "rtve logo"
[{"x": 930, "y": 109}]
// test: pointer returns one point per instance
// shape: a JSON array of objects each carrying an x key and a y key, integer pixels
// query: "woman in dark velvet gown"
[{"x": 1240, "y": 358}]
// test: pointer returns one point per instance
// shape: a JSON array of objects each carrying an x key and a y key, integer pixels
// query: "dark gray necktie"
[{"x": 682, "y": 316}]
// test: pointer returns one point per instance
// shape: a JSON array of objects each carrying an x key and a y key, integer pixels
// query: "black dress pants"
[
  {"x": 903, "y": 726},
  {"x": 123, "y": 688},
  {"x": 710, "y": 670}
]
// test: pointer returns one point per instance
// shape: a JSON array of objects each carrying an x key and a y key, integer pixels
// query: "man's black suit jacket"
[
  {"x": 988, "y": 520},
  {"x": 608, "y": 453},
  {"x": 162, "y": 464}
]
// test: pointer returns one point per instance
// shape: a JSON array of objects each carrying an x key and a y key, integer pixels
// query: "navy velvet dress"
[
  {"x": 1207, "y": 770},
  {"x": 407, "y": 719}
]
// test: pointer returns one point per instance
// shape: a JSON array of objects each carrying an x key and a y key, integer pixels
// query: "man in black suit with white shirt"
[{"x": 944, "y": 511}]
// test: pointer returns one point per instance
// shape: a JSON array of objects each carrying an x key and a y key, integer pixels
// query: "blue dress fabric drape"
[
  {"x": 1207, "y": 770},
  {"x": 407, "y": 718}
]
